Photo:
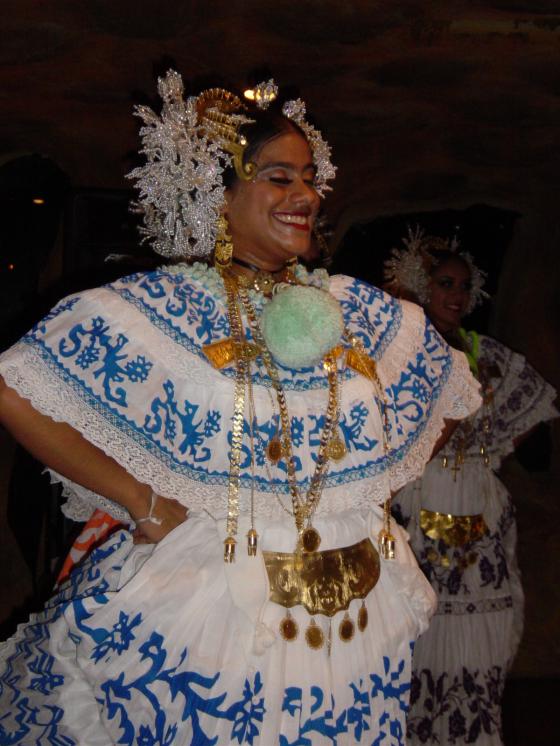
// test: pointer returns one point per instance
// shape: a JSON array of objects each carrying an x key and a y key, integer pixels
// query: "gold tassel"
[
  {"x": 385, "y": 538},
  {"x": 386, "y": 545},
  {"x": 229, "y": 549},
  {"x": 252, "y": 539}
]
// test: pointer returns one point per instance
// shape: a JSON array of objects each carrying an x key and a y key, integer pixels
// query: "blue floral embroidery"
[
  {"x": 176, "y": 426},
  {"x": 111, "y": 371},
  {"x": 468, "y": 703},
  {"x": 166, "y": 414},
  {"x": 119, "y": 639},
  {"x": 249, "y": 713},
  {"x": 352, "y": 426}
]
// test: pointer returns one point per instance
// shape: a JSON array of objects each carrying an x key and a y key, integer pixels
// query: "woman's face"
[
  {"x": 450, "y": 290},
  {"x": 271, "y": 216}
]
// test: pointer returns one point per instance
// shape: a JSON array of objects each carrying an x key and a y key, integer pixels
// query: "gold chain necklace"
[
  {"x": 242, "y": 365},
  {"x": 303, "y": 509},
  {"x": 329, "y": 447}
]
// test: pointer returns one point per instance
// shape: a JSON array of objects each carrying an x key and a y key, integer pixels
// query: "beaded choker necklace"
[{"x": 264, "y": 281}]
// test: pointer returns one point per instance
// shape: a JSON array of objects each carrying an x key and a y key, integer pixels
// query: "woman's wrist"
[
  {"x": 138, "y": 503},
  {"x": 151, "y": 517}
]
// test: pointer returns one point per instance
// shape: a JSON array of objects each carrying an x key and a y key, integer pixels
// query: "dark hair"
[
  {"x": 440, "y": 256},
  {"x": 266, "y": 126}
]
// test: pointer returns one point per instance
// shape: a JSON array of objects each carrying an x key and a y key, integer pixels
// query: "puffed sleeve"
[
  {"x": 425, "y": 382},
  {"x": 521, "y": 398}
]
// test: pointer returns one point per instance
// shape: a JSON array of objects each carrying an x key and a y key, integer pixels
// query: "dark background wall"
[{"x": 429, "y": 107}]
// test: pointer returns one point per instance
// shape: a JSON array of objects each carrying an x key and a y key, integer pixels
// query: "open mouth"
[{"x": 295, "y": 220}]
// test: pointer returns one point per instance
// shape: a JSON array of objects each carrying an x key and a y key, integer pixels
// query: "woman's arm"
[
  {"x": 446, "y": 433},
  {"x": 60, "y": 447}
]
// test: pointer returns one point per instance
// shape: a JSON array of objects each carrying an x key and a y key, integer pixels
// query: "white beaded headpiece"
[
  {"x": 408, "y": 268},
  {"x": 188, "y": 147}
]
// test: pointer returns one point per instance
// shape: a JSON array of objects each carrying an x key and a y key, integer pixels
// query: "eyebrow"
[
  {"x": 450, "y": 277},
  {"x": 286, "y": 165}
]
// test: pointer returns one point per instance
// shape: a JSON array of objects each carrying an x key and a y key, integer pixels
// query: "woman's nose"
[{"x": 303, "y": 192}]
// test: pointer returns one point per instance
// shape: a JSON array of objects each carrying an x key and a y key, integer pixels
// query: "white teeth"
[{"x": 286, "y": 217}]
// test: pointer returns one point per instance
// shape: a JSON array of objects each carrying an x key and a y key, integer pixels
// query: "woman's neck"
[{"x": 252, "y": 268}]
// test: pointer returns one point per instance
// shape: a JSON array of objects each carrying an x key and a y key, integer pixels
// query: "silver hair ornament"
[
  {"x": 408, "y": 268},
  {"x": 181, "y": 189},
  {"x": 295, "y": 111},
  {"x": 405, "y": 269}
]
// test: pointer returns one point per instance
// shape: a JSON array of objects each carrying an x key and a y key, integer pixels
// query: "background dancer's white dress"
[
  {"x": 460, "y": 663},
  {"x": 165, "y": 644}
]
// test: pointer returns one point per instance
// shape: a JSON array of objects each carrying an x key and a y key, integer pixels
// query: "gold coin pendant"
[
  {"x": 289, "y": 628},
  {"x": 346, "y": 629},
  {"x": 362, "y": 618},
  {"x": 337, "y": 449},
  {"x": 314, "y": 636},
  {"x": 310, "y": 540},
  {"x": 274, "y": 450}
]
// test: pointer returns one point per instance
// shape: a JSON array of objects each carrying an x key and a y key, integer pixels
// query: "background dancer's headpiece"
[{"x": 407, "y": 272}]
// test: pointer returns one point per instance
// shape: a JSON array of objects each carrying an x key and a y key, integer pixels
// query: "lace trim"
[
  {"x": 459, "y": 396},
  {"x": 26, "y": 372},
  {"x": 482, "y": 606},
  {"x": 522, "y": 399},
  {"x": 35, "y": 381}
]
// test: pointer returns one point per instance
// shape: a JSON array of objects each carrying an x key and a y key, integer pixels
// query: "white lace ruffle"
[
  {"x": 459, "y": 397},
  {"x": 521, "y": 400},
  {"x": 53, "y": 393}
]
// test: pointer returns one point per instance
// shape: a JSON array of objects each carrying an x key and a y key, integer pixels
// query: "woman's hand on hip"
[{"x": 161, "y": 516}]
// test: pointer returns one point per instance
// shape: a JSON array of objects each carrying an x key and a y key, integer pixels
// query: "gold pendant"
[
  {"x": 264, "y": 282},
  {"x": 386, "y": 545},
  {"x": 252, "y": 540},
  {"x": 363, "y": 617},
  {"x": 288, "y": 627},
  {"x": 274, "y": 450},
  {"x": 337, "y": 449},
  {"x": 310, "y": 539},
  {"x": 314, "y": 636},
  {"x": 229, "y": 549},
  {"x": 346, "y": 628}
]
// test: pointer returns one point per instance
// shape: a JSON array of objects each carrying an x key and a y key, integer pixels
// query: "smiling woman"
[
  {"x": 271, "y": 217},
  {"x": 450, "y": 292},
  {"x": 247, "y": 421},
  {"x": 460, "y": 518}
]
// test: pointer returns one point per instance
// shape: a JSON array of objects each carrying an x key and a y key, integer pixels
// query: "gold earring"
[{"x": 223, "y": 249}]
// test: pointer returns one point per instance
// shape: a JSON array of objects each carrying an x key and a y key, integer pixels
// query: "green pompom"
[{"x": 300, "y": 325}]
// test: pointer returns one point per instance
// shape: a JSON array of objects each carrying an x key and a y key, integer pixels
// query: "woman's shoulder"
[
  {"x": 179, "y": 281},
  {"x": 377, "y": 316}
]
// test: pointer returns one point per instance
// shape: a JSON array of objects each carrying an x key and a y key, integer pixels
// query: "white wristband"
[{"x": 151, "y": 518}]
